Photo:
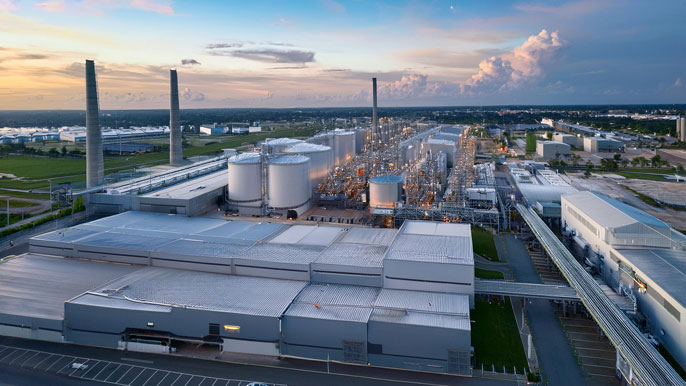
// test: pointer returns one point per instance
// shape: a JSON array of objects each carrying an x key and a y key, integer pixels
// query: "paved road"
[
  {"x": 555, "y": 355},
  {"x": 51, "y": 363}
]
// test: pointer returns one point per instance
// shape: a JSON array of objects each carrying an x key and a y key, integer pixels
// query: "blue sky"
[{"x": 324, "y": 52}]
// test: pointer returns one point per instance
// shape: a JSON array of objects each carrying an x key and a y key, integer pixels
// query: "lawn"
[
  {"x": 34, "y": 196},
  {"x": 483, "y": 244},
  {"x": 16, "y": 203},
  {"x": 36, "y": 170},
  {"x": 639, "y": 176},
  {"x": 488, "y": 274},
  {"x": 495, "y": 336}
]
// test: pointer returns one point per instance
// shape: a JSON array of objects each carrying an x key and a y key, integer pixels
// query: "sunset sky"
[{"x": 324, "y": 52}]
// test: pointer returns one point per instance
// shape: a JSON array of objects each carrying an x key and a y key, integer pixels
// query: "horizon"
[{"x": 323, "y": 53}]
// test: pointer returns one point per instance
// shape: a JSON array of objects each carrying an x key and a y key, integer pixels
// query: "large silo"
[
  {"x": 385, "y": 191},
  {"x": 245, "y": 181},
  {"x": 288, "y": 183},
  {"x": 362, "y": 138},
  {"x": 343, "y": 146},
  {"x": 278, "y": 145},
  {"x": 321, "y": 158}
]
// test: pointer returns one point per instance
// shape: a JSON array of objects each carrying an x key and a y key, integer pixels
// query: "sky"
[{"x": 323, "y": 53}]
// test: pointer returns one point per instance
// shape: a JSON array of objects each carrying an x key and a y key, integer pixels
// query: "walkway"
[
  {"x": 525, "y": 290},
  {"x": 555, "y": 356}
]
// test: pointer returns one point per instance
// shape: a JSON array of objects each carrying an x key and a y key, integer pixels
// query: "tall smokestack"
[
  {"x": 375, "y": 117},
  {"x": 95, "y": 167},
  {"x": 175, "y": 146}
]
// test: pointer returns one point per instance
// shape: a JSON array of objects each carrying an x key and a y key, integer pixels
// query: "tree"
[
  {"x": 680, "y": 168},
  {"x": 618, "y": 157},
  {"x": 625, "y": 163},
  {"x": 655, "y": 160},
  {"x": 549, "y": 135},
  {"x": 635, "y": 161},
  {"x": 64, "y": 151},
  {"x": 575, "y": 159}
]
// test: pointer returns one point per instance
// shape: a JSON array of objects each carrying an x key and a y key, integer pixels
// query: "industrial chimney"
[
  {"x": 175, "y": 146},
  {"x": 375, "y": 117},
  {"x": 95, "y": 167}
]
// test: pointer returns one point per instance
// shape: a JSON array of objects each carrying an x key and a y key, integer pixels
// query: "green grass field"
[
  {"x": 488, "y": 274},
  {"x": 35, "y": 171},
  {"x": 483, "y": 244},
  {"x": 639, "y": 176},
  {"x": 33, "y": 196},
  {"x": 16, "y": 203},
  {"x": 495, "y": 337}
]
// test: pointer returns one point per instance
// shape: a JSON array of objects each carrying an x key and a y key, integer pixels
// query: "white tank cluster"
[
  {"x": 321, "y": 158},
  {"x": 343, "y": 146},
  {"x": 385, "y": 191},
  {"x": 363, "y": 135},
  {"x": 245, "y": 181},
  {"x": 288, "y": 183},
  {"x": 277, "y": 145}
]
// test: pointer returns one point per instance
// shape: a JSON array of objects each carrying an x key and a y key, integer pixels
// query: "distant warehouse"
[
  {"x": 599, "y": 145},
  {"x": 552, "y": 149}
]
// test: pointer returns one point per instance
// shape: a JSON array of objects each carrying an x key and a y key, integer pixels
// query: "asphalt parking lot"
[{"x": 115, "y": 373}]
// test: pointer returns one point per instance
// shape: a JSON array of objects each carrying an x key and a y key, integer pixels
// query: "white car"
[{"x": 79, "y": 366}]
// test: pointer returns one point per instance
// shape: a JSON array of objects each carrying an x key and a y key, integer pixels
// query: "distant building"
[
  {"x": 213, "y": 129},
  {"x": 254, "y": 129},
  {"x": 569, "y": 139},
  {"x": 240, "y": 130},
  {"x": 552, "y": 149},
  {"x": 600, "y": 145}
]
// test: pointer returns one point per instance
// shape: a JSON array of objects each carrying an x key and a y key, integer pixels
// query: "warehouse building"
[
  {"x": 601, "y": 145},
  {"x": 569, "y": 139},
  {"x": 637, "y": 255},
  {"x": 159, "y": 283},
  {"x": 552, "y": 149}
]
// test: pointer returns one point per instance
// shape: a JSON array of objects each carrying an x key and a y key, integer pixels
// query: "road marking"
[
  {"x": 163, "y": 378},
  {"x": 103, "y": 369},
  {"x": 20, "y": 356},
  {"x": 139, "y": 374},
  {"x": 22, "y": 363},
  {"x": 45, "y": 359},
  {"x": 112, "y": 373},
  {"x": 53, "y": 363},
  {"x": 150, "y": 377},
  {"x": 127, "y": 371}
]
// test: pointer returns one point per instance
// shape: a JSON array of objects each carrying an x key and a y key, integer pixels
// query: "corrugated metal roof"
[
  {"x": 422, "y": 308},
  {"x": 335, "y": 302},
  {"x": 609, "y": 212},
  {"x": 666, "y": 267},
  {"x": 308, "y": 235},
  {"x": 66, "y": 235},
  {"x": 370, "y": 236},
  {"x": 245, "y": 158},
  {"x": 119, "y": 240},
  {"x": 253, "y": 231},
  {"x": 435, "y": 228},
  {"x": 283, "y": 253},
  {"x": 437, "y": 249},
  {"x": 208, "y": 291},
  {"x": 38, "y": 286},
  {"x": 203, "y": 248},
  {"x": 353, "y": 255}
]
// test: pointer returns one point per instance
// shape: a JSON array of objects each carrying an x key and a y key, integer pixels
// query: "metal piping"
[{"x": 95, "y": 166}]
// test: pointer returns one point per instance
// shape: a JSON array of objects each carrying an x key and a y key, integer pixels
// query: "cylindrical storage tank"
[
  {"x": 325, "y": 139},
  {"x": 245, "y": 180},
  {"x": 321, "y": 160},
  {"x": 343, "y": 146},
  {"x": 288, "y": 182},
  {"x": 362, "y": 138},
  {"x": 278, "y": 145},
  {"x": 385, "y": 190}
]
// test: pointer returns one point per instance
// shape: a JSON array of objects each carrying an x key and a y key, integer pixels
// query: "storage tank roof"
[
  {"x": 289, "y": 160},
  {"x": 305, "y": 147},
  {"x": 386, "y": 179},
  {"x": 282, "y": 141},
  {"x": 245, "y": 158},
  {"x": 342, "y": 132}
]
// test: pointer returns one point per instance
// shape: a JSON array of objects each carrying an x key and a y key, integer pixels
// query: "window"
[
  {"x": 214, "y": 329},
  {"x": 231, "y": 329}
]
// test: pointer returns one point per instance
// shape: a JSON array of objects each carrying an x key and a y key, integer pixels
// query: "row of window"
[{"x": 583, "y": 220}]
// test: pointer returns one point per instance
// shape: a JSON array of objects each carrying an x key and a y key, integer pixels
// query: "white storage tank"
[
  {"x": 288, "y": 183},
  {"x": 321, "y": 160},
  {"x": 385, "y": 191},
  {"x": 245, "y": 180},
  {"x": 278, "y": 145},
  {"x": 362, "y": 138},
  {"x": 325, "y": 139},
  {"x": 343, "y": 146}
]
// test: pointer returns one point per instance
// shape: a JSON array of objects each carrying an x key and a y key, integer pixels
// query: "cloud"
[
  {"x": 52, "y": 6},
  {"x": 677, "y": 83},
  {"x": 98, "y": 7},
  {"x": 189, "y": 62},
  {"x": 284, "y": 22},
  {"x": 334, "y": 6},
  {"x": 514, "y": 69},
  {"x": 8, "y": 5},
  {"x": 192, "y": 96},
  {"x": 267, "y": 52},
  {"x": 32, "y": 57}
]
